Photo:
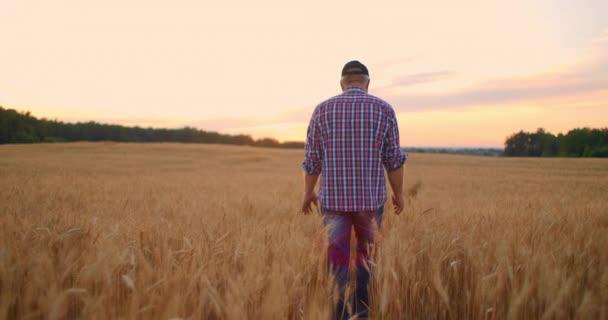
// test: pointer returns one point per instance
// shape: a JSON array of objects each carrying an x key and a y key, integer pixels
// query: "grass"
[{"x": 160, "y": 231}]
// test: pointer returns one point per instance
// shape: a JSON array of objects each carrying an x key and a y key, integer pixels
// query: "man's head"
[{"x": 354, "y": 74}]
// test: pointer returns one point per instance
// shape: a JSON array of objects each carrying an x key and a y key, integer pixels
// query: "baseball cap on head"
[{"x": 354, "y": 67}]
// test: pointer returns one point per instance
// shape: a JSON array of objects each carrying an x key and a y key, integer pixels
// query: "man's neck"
[{"x": 355, "y": 87}]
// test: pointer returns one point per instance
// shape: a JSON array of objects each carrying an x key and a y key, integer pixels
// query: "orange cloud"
[{"x": 583, "y": 79}]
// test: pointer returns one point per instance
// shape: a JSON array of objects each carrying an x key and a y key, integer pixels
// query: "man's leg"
[
  {"x": 364, "y": 232},
  {"x": 378, "y": 216},
  {"x": 339, "y": 229}
]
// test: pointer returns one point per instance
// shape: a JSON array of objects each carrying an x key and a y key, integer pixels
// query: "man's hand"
[
  {"x": 308, "y": 199},
  {"x": 395, "y": 177},
  {"x": 398, "y": 203}
]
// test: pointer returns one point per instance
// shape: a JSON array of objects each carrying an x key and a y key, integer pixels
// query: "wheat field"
[{"x": 190, "y": 231}]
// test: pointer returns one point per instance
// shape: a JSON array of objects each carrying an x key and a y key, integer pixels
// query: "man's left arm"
[{"x": 394, "y": 161}]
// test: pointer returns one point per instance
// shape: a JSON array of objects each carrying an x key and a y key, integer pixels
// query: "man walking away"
[{"x": 350, "y": 139}]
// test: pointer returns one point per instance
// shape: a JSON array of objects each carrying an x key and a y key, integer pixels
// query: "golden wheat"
[{"x": 160, "y": 231}]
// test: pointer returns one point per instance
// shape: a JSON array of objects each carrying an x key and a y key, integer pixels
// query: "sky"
[{"x": 458, "y": 73}]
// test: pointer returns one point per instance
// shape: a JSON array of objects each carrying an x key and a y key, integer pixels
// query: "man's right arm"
[
  {"x": 313, "y": 160},
  {"x": 313, "y": 151}
]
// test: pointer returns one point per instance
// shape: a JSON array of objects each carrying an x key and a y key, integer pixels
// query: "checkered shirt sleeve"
[{"x": 313, "y": 150}]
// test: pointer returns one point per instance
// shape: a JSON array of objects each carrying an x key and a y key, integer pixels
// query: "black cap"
[{"x": 354, "y": 67}]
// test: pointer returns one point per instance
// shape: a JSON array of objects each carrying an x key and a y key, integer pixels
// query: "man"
[{"x": 350, "y": 138}]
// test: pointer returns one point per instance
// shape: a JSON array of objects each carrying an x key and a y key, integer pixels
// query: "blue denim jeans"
[{"x": 339, "y": 225}]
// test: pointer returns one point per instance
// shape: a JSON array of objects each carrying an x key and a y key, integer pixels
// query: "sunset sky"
[{"x": 458, "y": 73}]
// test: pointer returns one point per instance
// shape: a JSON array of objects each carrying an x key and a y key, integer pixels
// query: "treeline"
[
  {"x": 22, "y": 127},
  {"x": 580, "y": 142}
]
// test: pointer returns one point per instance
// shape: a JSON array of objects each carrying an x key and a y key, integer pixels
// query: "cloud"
[
  {"x": 224, "y": 123},
  {"x": 296, "y": 115},
  {"x": 391, "y": 64},
  {"x": 587, "y": 78},
  {"x": 301, "y": 115},
  {"x": 602, "y": 38},
  {"x": 414, "y": 79},
  {"x": 570, "y": 83}
]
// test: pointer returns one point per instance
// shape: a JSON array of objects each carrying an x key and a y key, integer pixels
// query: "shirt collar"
[{"x": 351, "y": 90}]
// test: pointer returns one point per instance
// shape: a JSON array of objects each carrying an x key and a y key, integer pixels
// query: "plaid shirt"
[{"x": 349, "y": 139}]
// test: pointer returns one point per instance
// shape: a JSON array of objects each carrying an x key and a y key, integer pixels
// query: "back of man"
[{"x": 350, "y": 138}]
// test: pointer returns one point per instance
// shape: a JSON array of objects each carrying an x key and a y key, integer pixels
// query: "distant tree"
[
  {"x": 293, "y": 144},
  {"x": 18, "y": 127},
  {"x": 543, "y": 144},
  {"x": 599, "y": 152},
  {"x": 267, "y": 142},
  {"x": 579, "y": 142},
  {"x": 22, "y": 127},
  {"x": 516, "y": 144}
]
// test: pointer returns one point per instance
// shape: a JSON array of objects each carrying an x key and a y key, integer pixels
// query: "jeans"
[{"x": 339, "y": 225}]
